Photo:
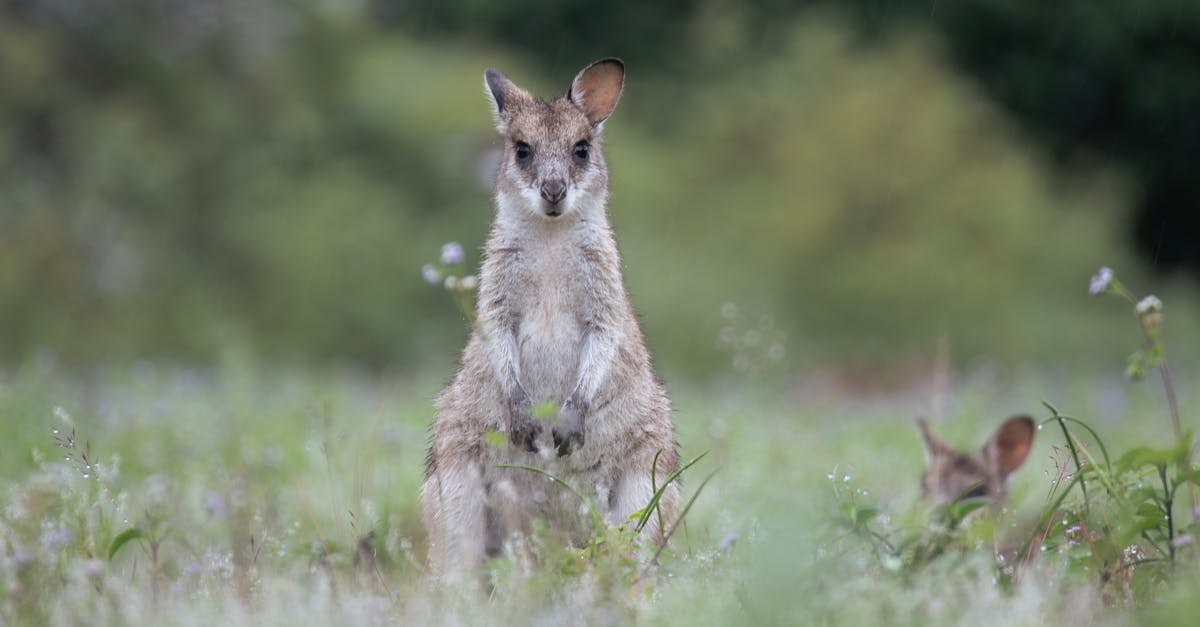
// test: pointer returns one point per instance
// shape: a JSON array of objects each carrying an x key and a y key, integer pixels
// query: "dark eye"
[
  {"x": 581, "y": 150},
  {"x": 976, "y": 491},
  {"x": 523, "y": 150}
]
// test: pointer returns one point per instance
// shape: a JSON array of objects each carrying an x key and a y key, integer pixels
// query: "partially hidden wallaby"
[
  {"x": 951, "y": 475},
  {"x": 554, "y": 329}
]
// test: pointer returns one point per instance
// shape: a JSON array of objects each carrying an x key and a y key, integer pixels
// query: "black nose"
[{"x": 554, "y": 191}]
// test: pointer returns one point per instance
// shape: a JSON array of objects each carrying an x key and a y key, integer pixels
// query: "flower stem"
[{"x": 1173, "y": 406}]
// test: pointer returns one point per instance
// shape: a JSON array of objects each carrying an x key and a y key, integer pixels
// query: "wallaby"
[
  {"x": 554, "y": 328},
  {"x": 951, "y": 475}
]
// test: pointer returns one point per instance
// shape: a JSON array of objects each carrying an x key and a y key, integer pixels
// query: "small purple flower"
[
  {"x": 1100, "y": 281},
  {"x": 430, "y": 274},
  {"x": 452, "y": 253}
]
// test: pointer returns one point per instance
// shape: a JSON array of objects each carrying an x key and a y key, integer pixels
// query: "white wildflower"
[
  {"x": 451, "y": 282},
  {"x": 1148, "y": 305},
  {"x": 468, "y": 282}
]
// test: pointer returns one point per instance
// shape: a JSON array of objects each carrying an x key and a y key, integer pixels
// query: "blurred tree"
[
  {"x": 177, "y": 178},
  {"x": 1118, "y": 79},
  {"x": 1095, "y": 79}
]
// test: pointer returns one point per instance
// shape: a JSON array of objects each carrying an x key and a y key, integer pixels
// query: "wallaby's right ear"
[
  {"x": 597, "y": 88},
  {"x": 502, "y": 93},
  {"x": 1008, "y": 447}
]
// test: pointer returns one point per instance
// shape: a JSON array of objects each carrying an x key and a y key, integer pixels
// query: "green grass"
[{"x": 258, "y": 494}]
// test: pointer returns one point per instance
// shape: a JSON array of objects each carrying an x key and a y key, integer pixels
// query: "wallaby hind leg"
[
  {"x": 635, "y": 490},
  {"x": 453, "y": 505}
]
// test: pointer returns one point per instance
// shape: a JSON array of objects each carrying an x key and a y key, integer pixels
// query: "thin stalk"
[
  {"x": 1047, "y": 513},
  {"x": 1173, "y": 406},
  {"x": 683, "y": 514},
  {"x": 1075, "y": 456},
  {"x": 1168, "y": 502}
]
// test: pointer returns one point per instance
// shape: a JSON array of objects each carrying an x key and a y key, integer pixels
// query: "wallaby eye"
[
  {"x": 977, "y": 491},
  {"x": 581, "y": 150},
  {"x": 523, "y": 151}
]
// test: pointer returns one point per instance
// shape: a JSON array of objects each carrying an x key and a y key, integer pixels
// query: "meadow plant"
[
  {"x": 1111, "y": 521},
  {"x": 449, "y": 271}
]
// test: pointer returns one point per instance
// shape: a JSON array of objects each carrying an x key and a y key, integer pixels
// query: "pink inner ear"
[
  {"x": 597, "y": 89},
  {"x": 1011, "y": 443}
]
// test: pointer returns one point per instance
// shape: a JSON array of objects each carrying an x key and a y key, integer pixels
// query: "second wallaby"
[
  {"x": 951, "y": 475},
  {"x": 556, "y": 364}
]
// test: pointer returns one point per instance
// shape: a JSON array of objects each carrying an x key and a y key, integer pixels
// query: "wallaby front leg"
[
  {"x": 595, "y": 360},
  {"x": 502, "y": 352},
  {"x": 522, "y": 428}
]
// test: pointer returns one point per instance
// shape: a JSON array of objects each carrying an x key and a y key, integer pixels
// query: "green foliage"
[
  {"x": 1125, "y": 535},
  {"x": 1120, "y": 87},
  {"x": 272, "y": 184}
]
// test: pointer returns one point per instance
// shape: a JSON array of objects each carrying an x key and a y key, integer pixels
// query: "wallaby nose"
[{"x": 554, "y": 190}]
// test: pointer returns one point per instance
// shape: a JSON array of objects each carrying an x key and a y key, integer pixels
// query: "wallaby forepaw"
[
  {"x": 523, "y": 433},
  {"x": 568, "y": 433},
  {"x": 567, "y": 441},
  {"x": 523, "y": 430}
]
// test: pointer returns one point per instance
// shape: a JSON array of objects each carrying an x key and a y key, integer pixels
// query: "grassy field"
[{"x": 248, "y": 495}]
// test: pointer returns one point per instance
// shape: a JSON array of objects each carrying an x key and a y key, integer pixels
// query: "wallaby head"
[
  {"x": 951, "y": 475},
  {"x": 552, "y": 165}
]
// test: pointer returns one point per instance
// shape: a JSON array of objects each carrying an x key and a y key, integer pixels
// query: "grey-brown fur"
[
  {"x": 554, "y": 326},
  {"x": 951, "y": 474}
]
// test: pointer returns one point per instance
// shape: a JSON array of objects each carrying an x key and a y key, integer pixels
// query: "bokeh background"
[{"x": 796, "y": 185}]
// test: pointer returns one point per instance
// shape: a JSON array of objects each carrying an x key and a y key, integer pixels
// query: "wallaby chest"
[{"x": 551, "y": 313}]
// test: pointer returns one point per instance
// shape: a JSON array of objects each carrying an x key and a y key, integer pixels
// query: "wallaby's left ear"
[
  {"x": 597, "y": 88},
  {"x": 1008, "y": 447},
  {"x": 503, "y": 94},
  {"x": 935, "y": 447}
]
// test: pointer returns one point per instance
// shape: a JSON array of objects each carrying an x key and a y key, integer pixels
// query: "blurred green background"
[{"x": 793, "y": 183}]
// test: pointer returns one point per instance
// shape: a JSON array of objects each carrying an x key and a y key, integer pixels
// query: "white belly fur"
[
  {"x": 549, "y": 336},
  {"x": 549, "y": 342}
]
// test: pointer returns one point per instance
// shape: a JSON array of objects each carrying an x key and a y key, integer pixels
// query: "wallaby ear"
[
  {"x": 935, "y": 447},
  {"x": 502, "y": 93},
  {"x": 1008, "y": 447},
  {"x": 597, "y": 88}
]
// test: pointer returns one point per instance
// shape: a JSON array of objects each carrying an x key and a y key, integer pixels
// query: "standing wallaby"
[
  {"x": 554, "y": 329},
  {"x": 951, "y": 475}
]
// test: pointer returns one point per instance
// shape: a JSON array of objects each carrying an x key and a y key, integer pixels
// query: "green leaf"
[
  {"x": 864, "y": 515},
  {"x": 1079, "y": 551},
  {"x": 1191, "y": 476},
  {"x": 544, "y": 410},
  {"x": 1146, "y": 456},
  {"x": 1136, "y": 368},
  {"x": 961, "y": 509},
  {"x": 495, "y": 438},
  {"x": 123, "y": 538}
]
